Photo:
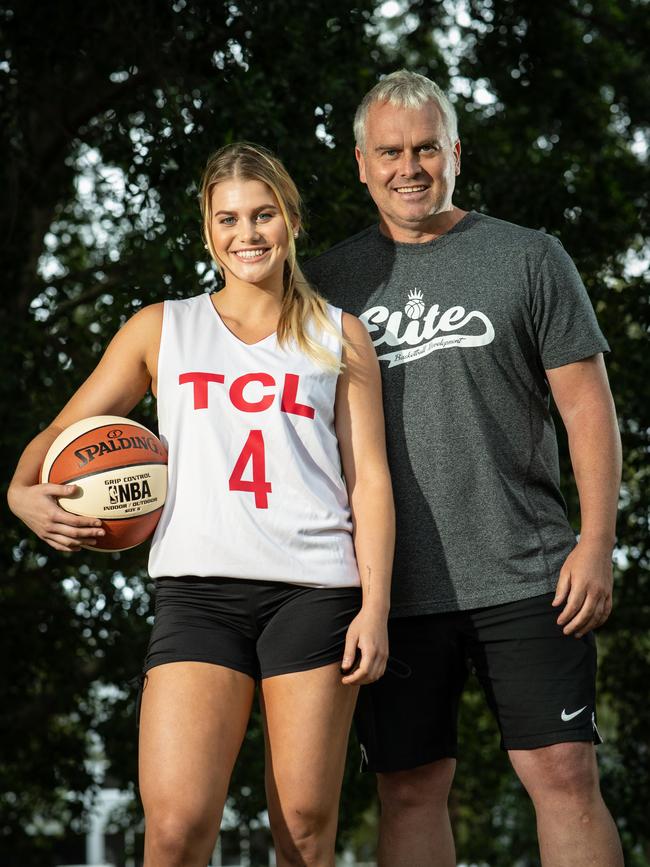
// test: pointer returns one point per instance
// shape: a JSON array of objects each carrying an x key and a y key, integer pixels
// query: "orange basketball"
[{"x": 120, "y": 467}]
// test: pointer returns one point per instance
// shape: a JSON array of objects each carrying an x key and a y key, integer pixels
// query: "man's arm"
[{"x": 582, "y": 395}]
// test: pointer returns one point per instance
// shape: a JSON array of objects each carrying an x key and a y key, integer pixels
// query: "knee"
[
  {"x": 174, "y": 838},
  {"x": 420, "y": 789},
  {"x": 559, "y": 772},
  {"x": 303, "y": 835}
]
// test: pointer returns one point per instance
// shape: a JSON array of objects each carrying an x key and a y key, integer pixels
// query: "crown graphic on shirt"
[{"x": 414, "y": 307}]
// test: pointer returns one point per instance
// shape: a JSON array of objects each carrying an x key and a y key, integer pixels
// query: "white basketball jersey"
[{"x": 255, "y": 488}]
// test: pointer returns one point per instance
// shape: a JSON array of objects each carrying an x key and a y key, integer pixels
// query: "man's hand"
[{"x": 585, "y": 588}]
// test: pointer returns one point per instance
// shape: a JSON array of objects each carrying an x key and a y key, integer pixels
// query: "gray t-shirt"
[{"x": 464, "y": 327}]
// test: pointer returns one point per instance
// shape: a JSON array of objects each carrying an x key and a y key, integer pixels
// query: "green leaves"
[{"x": 108, "y": 116}]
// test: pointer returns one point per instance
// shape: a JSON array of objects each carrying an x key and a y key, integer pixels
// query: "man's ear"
[
  {"x": 457, "y": 156},
  {"x": 361, "y": 162}
]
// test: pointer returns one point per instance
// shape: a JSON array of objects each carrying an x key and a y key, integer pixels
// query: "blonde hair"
[
  {"x": 407, "y": 90},
  {"x": 301, "y": 304}
]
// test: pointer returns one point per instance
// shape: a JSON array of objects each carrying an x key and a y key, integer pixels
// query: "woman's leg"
[
  {"x": 307, "y": 720},
  {"x": 193, "y": 719}
]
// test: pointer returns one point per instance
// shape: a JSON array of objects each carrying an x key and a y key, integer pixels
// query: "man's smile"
[{"x": 411, "y": 189}]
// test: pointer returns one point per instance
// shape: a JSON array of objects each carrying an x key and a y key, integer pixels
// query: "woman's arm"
[
  {"x": 117, "y": 384},
  {"x": 362, "y": 443}
]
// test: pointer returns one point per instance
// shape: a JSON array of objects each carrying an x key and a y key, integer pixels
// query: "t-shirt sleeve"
[{"x": 565, "y": 323}]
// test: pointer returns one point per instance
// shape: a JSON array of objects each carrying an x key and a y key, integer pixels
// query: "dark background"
[{"x": 108, "y": 113}]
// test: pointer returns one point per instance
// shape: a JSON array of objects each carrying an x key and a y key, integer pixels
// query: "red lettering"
[
  {"x": 289, "y": 394},
  {"x": 237, "y": 392},
  {"x": 200, "y": 381},
  {"x": 289, "y": 401},
  {"x": 253, "y": 451}
]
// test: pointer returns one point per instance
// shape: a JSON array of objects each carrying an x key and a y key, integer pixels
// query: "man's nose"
[{"x": 409, "y": 165}]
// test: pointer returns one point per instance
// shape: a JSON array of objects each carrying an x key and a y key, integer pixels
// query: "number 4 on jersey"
[{"x": 253, "y": 451}]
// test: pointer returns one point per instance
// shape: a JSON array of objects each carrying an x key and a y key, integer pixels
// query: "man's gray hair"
[{"x": 407, "y": 90}]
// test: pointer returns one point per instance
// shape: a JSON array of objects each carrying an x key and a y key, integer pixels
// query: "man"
[{"x": 475, "y": 321}]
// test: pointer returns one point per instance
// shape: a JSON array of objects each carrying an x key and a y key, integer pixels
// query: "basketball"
[
  {"x": 120, "y": 468},
  {"x": 415, "y": 305}
]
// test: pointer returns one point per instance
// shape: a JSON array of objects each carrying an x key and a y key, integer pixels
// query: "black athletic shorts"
[
  {"x": 261, "y": 628},
  {"x": 538, "y": 682}
]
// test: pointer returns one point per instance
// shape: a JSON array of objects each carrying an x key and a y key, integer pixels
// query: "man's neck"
[{"x": 427, "y": 230}]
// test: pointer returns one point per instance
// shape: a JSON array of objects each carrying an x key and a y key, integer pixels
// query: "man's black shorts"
[{"x": 538, "y": 682}]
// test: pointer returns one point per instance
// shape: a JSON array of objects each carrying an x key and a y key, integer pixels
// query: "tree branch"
[{"x": 112, "y": 278}]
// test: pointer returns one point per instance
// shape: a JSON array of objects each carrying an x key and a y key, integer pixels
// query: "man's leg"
[
  {"x": 415, "y": 830},
  {"x": 541, "y": 686},
  {"x": 406, "y": 725},
  {"x": 574, "y": 825}
]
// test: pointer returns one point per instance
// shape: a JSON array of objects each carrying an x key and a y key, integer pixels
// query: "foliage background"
[{"x": 108, "y": 112}]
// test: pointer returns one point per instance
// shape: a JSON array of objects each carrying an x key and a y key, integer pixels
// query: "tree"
[
  {"x": 554, "y": 109},
  {"x": 108, "y": 114}
]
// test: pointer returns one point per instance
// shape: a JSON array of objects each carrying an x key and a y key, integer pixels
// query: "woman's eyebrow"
[{"x": 259, "y": 208}]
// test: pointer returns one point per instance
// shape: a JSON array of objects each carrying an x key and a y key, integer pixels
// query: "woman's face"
[{"x": 249, "y": 234}]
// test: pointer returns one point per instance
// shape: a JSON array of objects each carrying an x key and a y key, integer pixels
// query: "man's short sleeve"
[{"x": 564, "y": 319}]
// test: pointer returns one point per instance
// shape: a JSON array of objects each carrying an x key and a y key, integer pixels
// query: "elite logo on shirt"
[{"x": 421, "y": 336}]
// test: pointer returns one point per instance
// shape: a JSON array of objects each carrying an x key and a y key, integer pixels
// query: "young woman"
[{"x": 269, "y": 566}]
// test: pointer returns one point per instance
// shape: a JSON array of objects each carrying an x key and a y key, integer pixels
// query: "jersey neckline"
[{"x": 222, "y": 325}]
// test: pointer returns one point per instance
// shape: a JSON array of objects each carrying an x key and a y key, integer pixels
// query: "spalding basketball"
[{"x": 120, "y": 468}]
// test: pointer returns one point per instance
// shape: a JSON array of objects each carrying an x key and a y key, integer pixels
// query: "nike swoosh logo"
[{"x": 567, "y": 716}]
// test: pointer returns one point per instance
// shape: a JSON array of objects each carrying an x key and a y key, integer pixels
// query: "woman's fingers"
[
  {"x": 70, "y": 520},
  {"x": 350, "y": 651},
  {"x": 366, "y": 641},
  {"x": 61, "y": 543},
  {"x": 57, "y": 490},
  {"x": 378, "y": 667},
  {"x": 75, "y": 532},
  {"x": 371, "y": 668},
  {"x": 38, "y": 507},
  {"x": 62, "y": 516}
]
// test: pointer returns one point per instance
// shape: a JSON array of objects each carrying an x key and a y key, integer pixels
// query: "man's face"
[{"x": 408, "y": 164}]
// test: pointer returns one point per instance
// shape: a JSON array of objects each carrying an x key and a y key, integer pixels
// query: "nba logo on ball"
[
  {"x": 120, "y": 469},
  {"x": 415, "y": 305}
]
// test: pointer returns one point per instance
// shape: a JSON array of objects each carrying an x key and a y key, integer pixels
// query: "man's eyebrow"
[{"x": 434, "y": 140}]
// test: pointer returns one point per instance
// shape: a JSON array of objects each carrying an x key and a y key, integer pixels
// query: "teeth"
[
  {"x": 250, "y": 254},
  {"x": 410, "y": 189}
]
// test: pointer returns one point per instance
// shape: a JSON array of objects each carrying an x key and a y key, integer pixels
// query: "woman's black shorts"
[{"x": 261, "y": 628}]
